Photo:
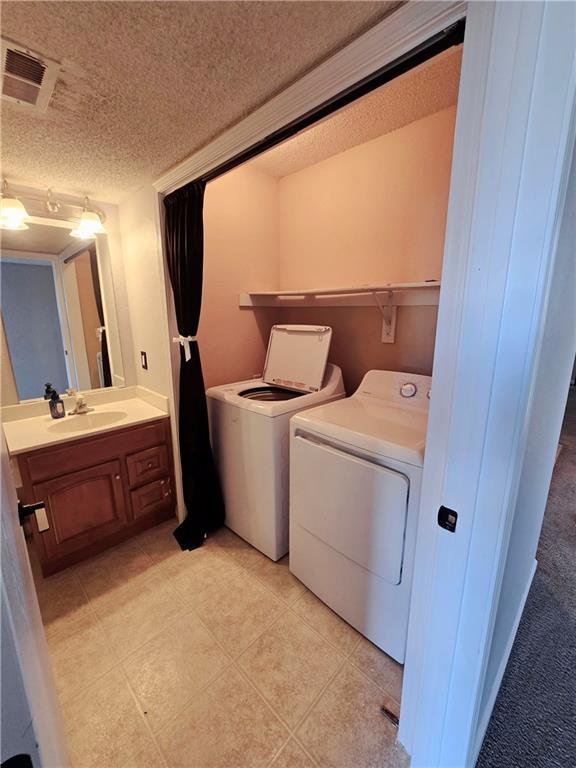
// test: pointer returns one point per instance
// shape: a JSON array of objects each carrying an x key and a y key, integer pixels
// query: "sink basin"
[{"x": 86, "y": 421}]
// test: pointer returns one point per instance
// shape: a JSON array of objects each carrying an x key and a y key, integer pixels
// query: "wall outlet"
[
  {"x": 389, "y": 329},
  {"x": 144, "y": 360}
]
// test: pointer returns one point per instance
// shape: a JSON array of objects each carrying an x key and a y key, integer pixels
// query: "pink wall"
[
  {"x": 375, "y": 213},
  {"x": 356, "y": 345},
  {"x": 240, "y": 253}
]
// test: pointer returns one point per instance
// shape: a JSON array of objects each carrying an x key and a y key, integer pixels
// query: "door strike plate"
[{"x": 447, "y": 519}]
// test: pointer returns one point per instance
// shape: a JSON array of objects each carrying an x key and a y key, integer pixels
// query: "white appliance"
[
  {"x": 356, "y": 468},
  {"x": 250, "y": 427}
]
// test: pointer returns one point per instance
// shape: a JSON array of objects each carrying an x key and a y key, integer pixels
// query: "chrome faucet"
[{"x": 80, "y": 404}]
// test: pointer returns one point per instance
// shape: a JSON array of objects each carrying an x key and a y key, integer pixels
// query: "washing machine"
[
  {"x": 250, "y": 430},
  {"x": 356, "y": 468}
]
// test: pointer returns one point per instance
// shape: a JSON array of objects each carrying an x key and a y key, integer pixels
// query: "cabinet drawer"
[
  {"x": 152, "y": 497},
  {"x": 148, "y": 465},
  {"x": 80, "y": 454}
]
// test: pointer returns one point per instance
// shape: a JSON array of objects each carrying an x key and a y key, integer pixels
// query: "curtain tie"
[{"x": 184, "y": 341}]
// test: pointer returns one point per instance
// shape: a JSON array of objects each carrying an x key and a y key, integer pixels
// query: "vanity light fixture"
[
  {"x": 13, "y": 215},
  {"x": 89, "y": 225}
]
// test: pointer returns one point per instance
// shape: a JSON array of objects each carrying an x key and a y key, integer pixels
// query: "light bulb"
[
  {"x": 13, "y": 215},
  {"x": 82, "y": 234},
  {"x": 13, "y": 224},
  {"x": 89, "y": 226}
]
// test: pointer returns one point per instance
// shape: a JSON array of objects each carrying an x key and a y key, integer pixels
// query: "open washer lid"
[{"x": 296, "y": 357}]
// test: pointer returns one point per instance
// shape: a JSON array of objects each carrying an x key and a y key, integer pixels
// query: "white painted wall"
[
  {"x": 544, "y": 422},
  {"x": 145, "y": 295},
  {"x": 149, "y": 307}
]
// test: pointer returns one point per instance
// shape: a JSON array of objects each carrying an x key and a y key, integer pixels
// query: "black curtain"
[
  {"x": 107, "y": 374},
  {"x": 184, "y": 237}
]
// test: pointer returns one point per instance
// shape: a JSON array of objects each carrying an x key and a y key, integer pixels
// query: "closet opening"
[
  {"x": 316, "y": 228},
  {"x": 334, "y": 225}
]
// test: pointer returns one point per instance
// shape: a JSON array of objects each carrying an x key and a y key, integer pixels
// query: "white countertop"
[{"x": 23, "y": 435}]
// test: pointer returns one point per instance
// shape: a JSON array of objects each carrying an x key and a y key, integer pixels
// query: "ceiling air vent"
[{"x": 27, "y": 77}]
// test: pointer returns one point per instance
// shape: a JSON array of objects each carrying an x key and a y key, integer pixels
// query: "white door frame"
[
  {"x": 503, "y": 220},
  {"x": 25, "y": 626},
  {"x": 514, "y": 138}
]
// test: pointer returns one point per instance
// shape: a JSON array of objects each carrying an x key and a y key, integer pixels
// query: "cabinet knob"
[
  {"x": 116, "y": 477},
  {"x": 149, "y": 465}
]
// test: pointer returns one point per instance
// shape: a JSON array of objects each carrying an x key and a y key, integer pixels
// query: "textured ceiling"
[
  {"x": 422, "y": 91},
  {"x": 145, "y": 84},
  {"x": 38, "y": 238}
]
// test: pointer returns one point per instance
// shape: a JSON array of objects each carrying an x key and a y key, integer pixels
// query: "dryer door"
[{"x": 355, "y": 506}]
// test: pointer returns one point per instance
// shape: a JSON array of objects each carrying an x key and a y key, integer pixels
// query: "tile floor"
[{"x": 212, "y": 658}]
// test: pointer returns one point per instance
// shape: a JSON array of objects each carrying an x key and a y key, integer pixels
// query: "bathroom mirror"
[{"x": 59, "y": 320}]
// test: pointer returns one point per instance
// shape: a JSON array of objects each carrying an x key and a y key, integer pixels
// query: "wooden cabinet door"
[{"x": 82, "y": 507}]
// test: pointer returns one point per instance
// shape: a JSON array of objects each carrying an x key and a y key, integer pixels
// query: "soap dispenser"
[
  {"x": 48, "y": 389},
  {"x": 56, "y": 406}
]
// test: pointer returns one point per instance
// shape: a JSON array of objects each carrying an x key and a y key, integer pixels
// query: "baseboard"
[{"x": 485, "y": 716}]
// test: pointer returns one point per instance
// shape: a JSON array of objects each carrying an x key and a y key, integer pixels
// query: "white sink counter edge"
[
  {"x": 94, "y": 397},
  {"x": 30, "y": 433}
]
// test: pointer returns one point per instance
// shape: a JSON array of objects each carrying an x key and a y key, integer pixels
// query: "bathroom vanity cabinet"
[{"x": 98, "y": 491}]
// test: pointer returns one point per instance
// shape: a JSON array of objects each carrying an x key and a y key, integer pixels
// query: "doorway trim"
[{"x": 515, "y": 132}]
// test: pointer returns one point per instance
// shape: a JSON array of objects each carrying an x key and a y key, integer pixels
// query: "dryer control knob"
[{"x": 408, "y": 390}]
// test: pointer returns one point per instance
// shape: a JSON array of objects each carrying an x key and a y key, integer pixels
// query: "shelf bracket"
[{"x": 388, "y": 312}]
